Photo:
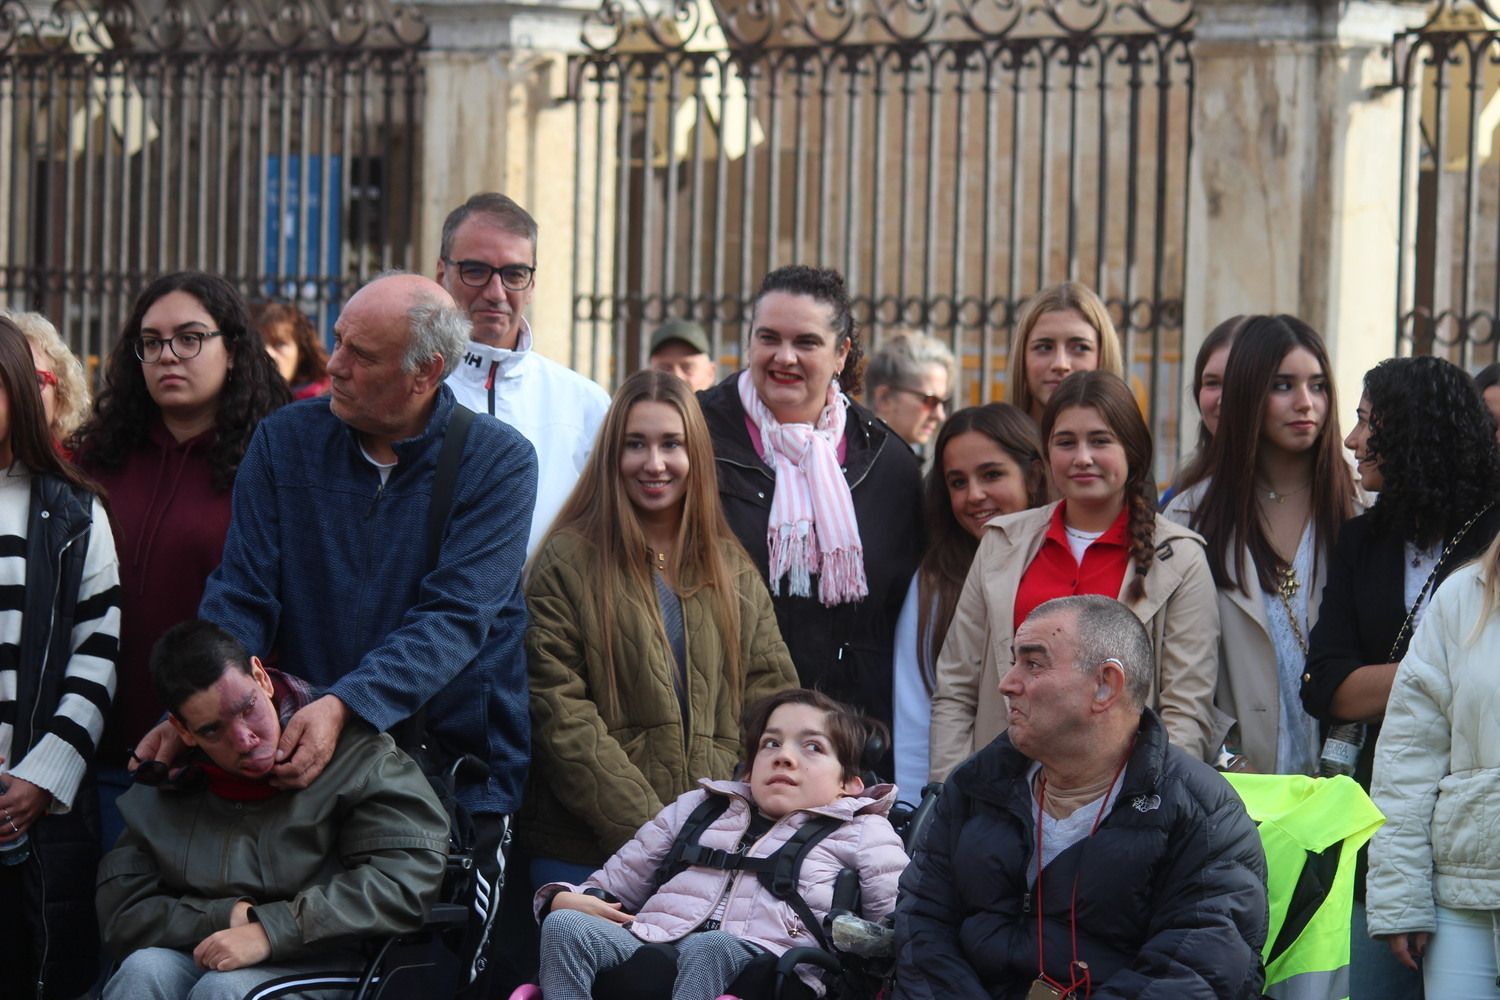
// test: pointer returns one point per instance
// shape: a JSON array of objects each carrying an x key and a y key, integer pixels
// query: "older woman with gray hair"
[
  {"x": 909, "y": 382},
  {"x": 59, "y": 374}
]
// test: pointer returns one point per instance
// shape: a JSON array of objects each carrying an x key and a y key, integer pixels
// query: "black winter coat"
[
  {"x": 846, "y": 651},
  {"x": 1171, "y": 888}
]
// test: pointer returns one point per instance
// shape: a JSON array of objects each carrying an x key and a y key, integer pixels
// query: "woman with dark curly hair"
[
  {"x": 293, "y": 344},
  {"x": 1269, "y": 512},
  {"x": 185, "y": 387},
  {"x": 823, "y": 495},
  {"x": 1425, "y": 443},
  {"x": 1104, "y": 537}
]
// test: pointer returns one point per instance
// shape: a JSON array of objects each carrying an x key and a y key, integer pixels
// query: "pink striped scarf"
[{"x": 812, "y": 527}]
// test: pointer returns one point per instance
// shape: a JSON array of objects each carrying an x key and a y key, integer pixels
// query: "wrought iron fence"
[
  {"x": 949, "y": 156},
  {"x": 1448, "y": 287},
  {"x": 274, "y": 143}
]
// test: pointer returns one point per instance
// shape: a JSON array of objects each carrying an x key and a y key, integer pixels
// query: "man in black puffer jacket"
[{"x": 1151, "y": 878}]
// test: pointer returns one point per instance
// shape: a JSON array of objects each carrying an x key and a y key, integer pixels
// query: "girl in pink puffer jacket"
[{"x": 804, "y": 751}]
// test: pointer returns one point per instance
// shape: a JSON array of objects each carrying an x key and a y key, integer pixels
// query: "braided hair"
[{"x": 1107, "y": 394}]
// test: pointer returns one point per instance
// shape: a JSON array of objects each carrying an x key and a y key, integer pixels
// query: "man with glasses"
[{"x": 487, "y": 263}]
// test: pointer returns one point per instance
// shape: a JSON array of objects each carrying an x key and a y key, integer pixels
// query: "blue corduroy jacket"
[{"x": 327, "y": 567}]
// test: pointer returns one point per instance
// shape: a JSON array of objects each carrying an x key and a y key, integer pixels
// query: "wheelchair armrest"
[
  {"x": 447, "y": 915},
  {"x": 787, "y": 964}
]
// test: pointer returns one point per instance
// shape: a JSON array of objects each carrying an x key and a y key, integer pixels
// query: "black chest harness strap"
[{"x": 778, "y": 872}]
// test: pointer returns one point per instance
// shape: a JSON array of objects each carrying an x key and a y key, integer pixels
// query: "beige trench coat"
[{"x": 1180, "y": 610}]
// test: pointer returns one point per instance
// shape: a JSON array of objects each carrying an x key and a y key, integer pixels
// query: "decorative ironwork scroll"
[{"x": 168, "y": 26}]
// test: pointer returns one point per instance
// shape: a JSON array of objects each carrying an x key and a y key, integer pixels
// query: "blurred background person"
[
  {"x": 987, "y": 461},
  {"x": 649, "y": 634},
  {"x": 295, "y": 347},
  {"x": 908, "y": 383},
  {"x": 1104, "y": 537},
  {"x": 1425, "y": 444},
  {"x": 185, "y": 386},
  {"x": 1274, "y": 492},
  {"x": 1061, "y": 329},
  {"x": 680, "y": 347},
  {"x": 824, "y": 497},
  {"x": 65, "y": 390},
  {"x": 59, "y": 633},
  {"x": 1208, "y": 391}
]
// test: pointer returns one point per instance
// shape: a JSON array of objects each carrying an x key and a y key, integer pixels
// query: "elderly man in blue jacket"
[{"x": 326, "y": 558}]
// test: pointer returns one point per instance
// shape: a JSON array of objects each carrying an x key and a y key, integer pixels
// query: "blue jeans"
[
  {"x": 1374, "y": 973},
  {"x": 168, "y": 974}
]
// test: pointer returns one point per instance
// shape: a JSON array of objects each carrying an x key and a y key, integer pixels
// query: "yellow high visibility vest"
[{"x": 1311, "y": 830}]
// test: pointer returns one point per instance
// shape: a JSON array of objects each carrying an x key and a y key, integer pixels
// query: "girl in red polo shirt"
[{"x": 1103, "y": 537}]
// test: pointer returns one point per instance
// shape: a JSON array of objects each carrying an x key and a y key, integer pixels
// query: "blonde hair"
[
  {"x": 1489, "y": 573},
  {"x": 600, "y": 512},
  {"x": 73, "y": 397},
  {"x": 1070, "y": 296}
]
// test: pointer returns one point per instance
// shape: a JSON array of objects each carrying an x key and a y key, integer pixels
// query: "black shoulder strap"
[
  {"x": 411, "y": 734},
  {"x": 443, "y": 482},
  {"x": 777, "y": 872},
  {"x": 685, "y": 847}
]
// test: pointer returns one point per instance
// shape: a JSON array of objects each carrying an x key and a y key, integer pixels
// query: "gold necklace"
[
  {"x": 1286, "y": 590},
  {"x": 1272, "y": 495}
]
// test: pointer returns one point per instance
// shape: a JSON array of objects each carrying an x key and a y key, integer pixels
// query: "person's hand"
[
  {"x": 239, "y": 916},
  {"x": 235, "y": 948},
  {"x": 161, "y": 743},
  {"x": 593, "y": 905},
  {"x": 21, "y": 805},
  {"x": 1408, "y": 948},
  {"x": 307, "y": 743}
]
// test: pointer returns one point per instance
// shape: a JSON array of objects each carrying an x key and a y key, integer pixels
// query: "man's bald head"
[{"x": 433, "y": 324}]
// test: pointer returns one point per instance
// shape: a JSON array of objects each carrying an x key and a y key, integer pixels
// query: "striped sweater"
[{"x": 68, "y": 736}]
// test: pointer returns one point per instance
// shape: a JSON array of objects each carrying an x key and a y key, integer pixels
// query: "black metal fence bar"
[
  {"x": 1448, "y": 272},
  {"x": 948, "y": 165},
  {"x": 224, "y": 140}
]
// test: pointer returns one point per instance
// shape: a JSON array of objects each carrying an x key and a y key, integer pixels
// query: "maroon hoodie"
[{"x": 169, "y": 525}]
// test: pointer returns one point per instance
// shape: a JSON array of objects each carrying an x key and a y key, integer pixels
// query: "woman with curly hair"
[
  {"x": 1269, "y": 514},
  {"x": 1425, "y": 443},
  {"x": 1103, "y": 537},
  {"x": 987, "y": 461},
  {"x": 823, "y": 495},
  {"x": 59, "y": 374},
  {"x": 185, "y": 387},
  {"x": 293, "y": 344}
]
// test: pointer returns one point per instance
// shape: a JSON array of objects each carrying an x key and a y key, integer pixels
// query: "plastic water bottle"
[
  {"x": 1341, "y": 749},
  {"x": 14, "y": 852}
]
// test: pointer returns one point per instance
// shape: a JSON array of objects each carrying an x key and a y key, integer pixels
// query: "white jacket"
[
  {"x": 555, "y": 408},
  {"x": 1437, "y": 769}
]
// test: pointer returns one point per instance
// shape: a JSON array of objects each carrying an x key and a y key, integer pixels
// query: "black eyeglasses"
[
  {"x": 158, "y": 774},
  {"x": 184, "y": 345},
  {"x": 929, "y": 401},
  {"x": 477, "y": 274}
]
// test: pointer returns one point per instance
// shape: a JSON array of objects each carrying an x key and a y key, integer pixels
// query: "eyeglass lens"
[
  {"x": 185, "y": 345},
  {"x": 476, "y": 274}
]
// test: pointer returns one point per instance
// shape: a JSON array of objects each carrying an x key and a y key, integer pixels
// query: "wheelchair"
[{"x": 857, "y": 968}]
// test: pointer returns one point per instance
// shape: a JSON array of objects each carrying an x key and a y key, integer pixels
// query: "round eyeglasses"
[
  {"x": 477, "y": 274},
  {"x": 183, "y": 345}
]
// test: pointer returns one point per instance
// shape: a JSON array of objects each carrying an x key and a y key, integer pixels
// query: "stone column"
[
  {"x": 1293, "y": 186},
  {"x": 494, "y": 120}
]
